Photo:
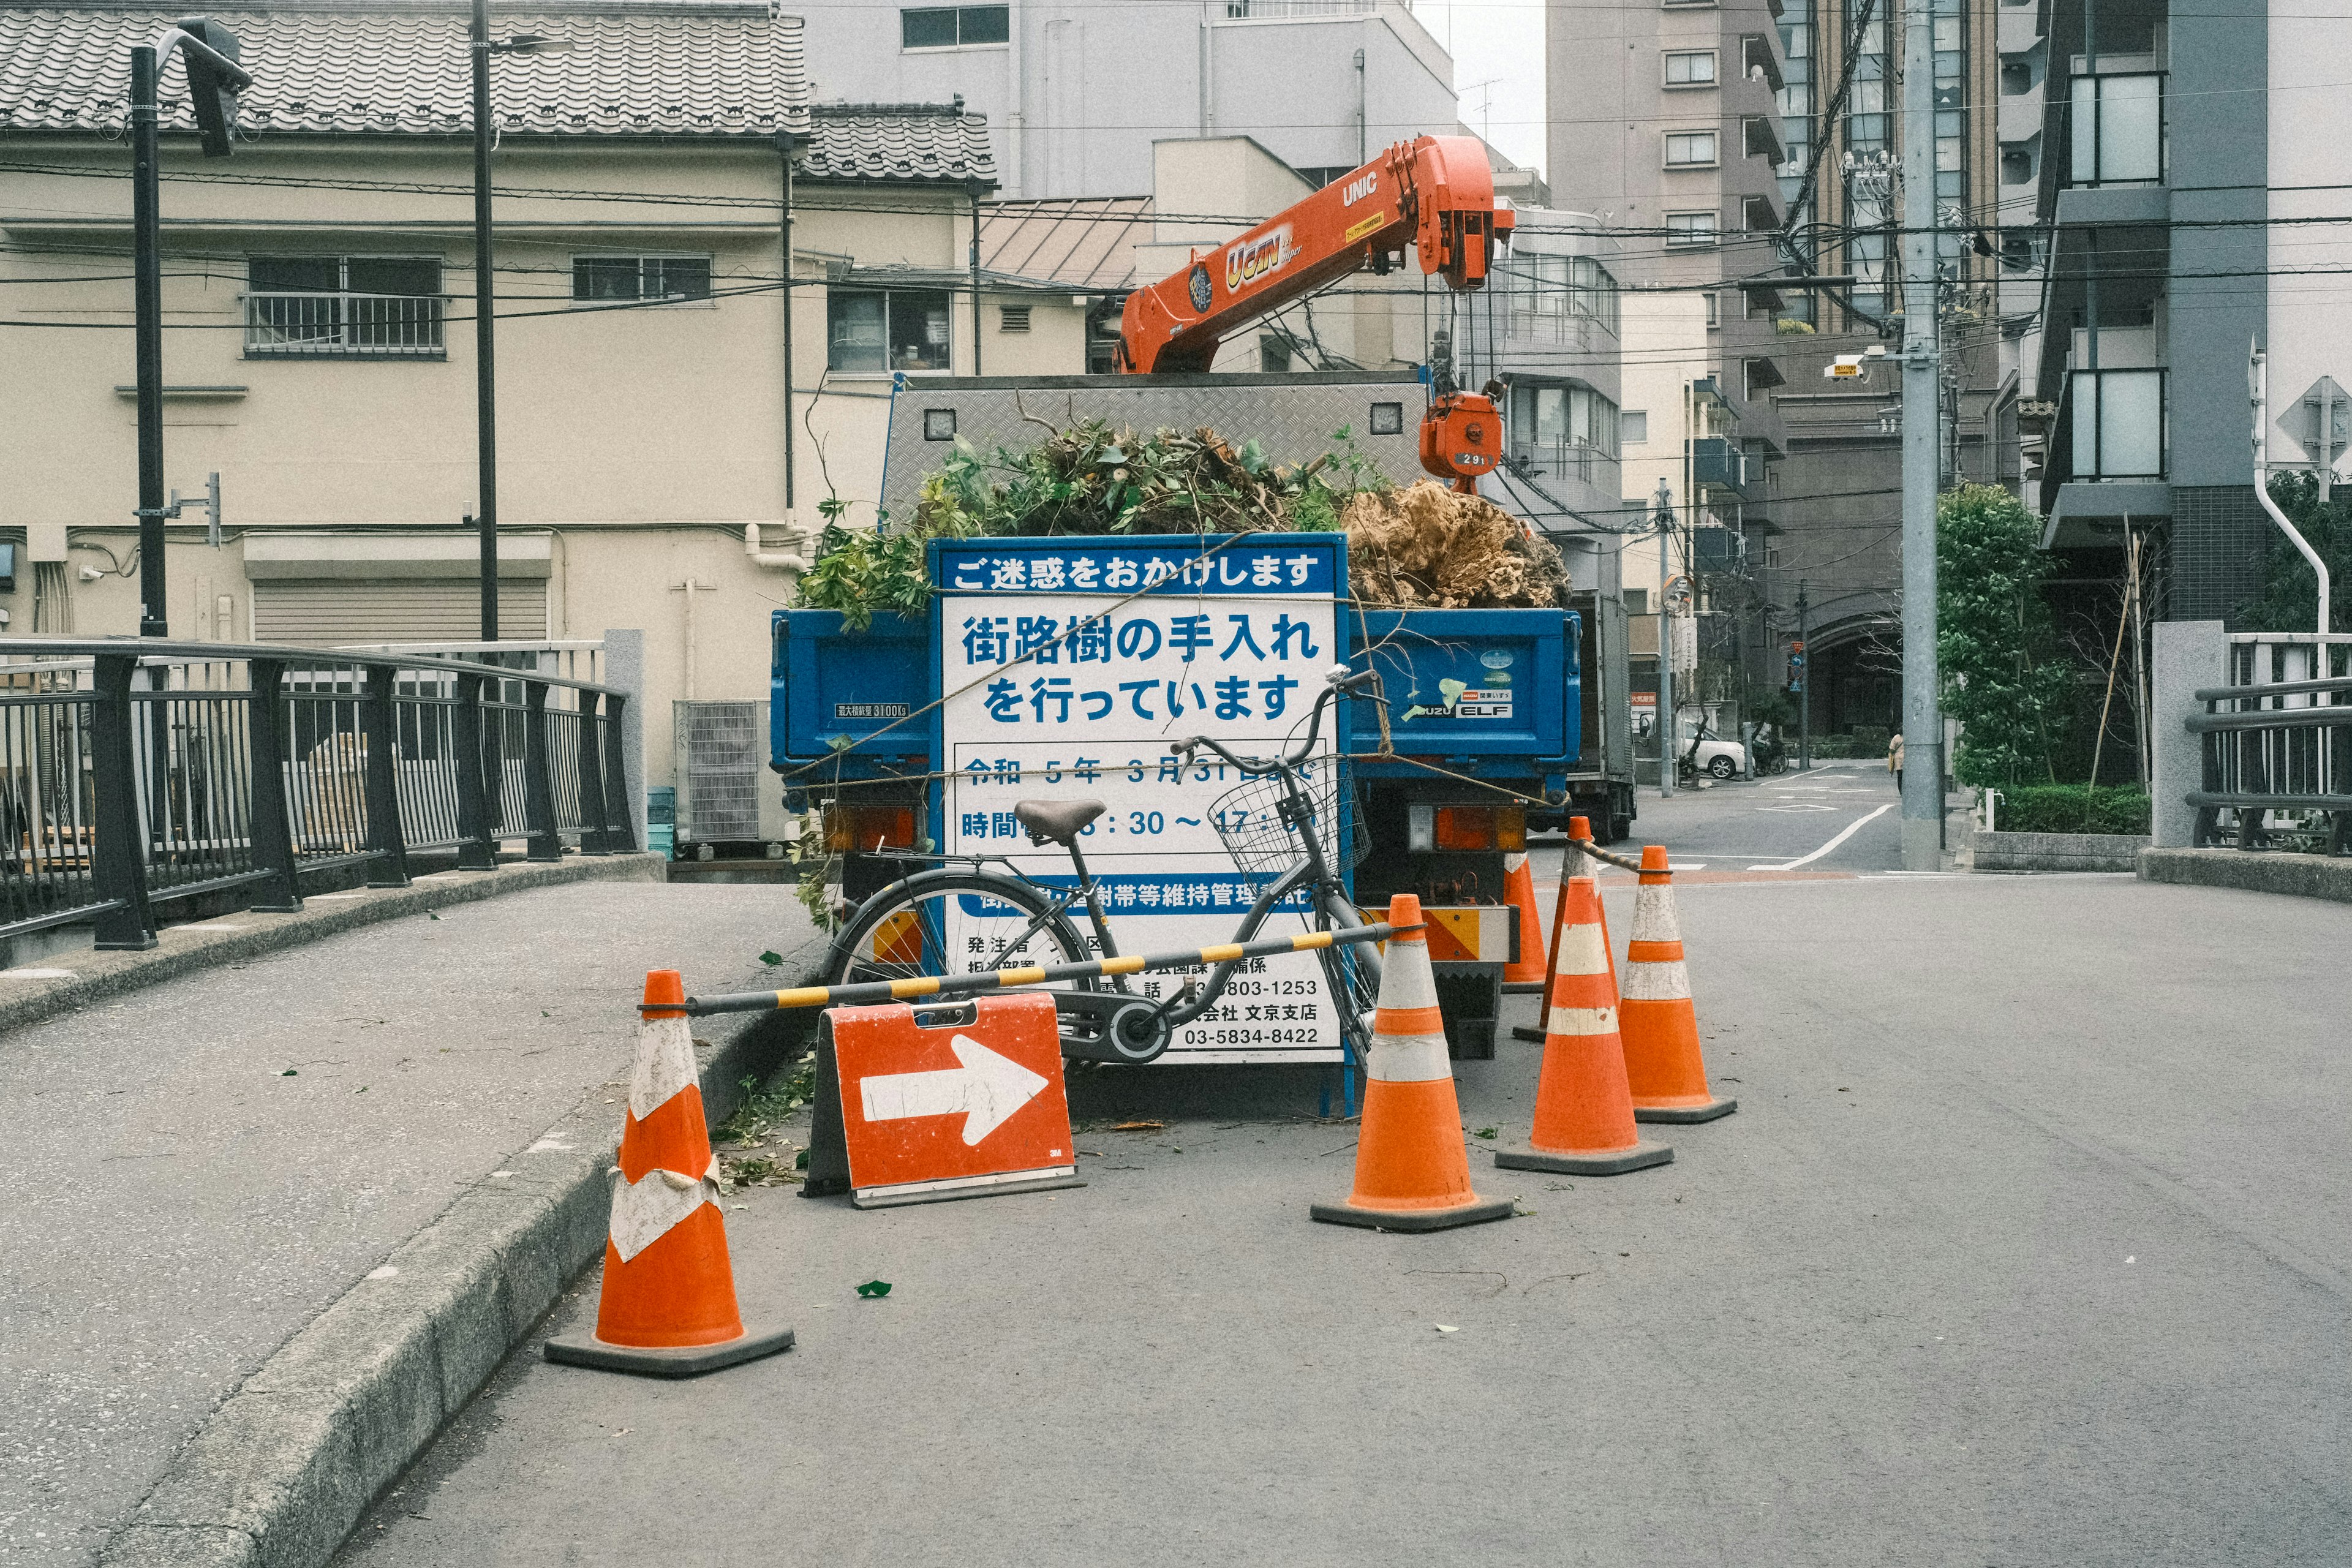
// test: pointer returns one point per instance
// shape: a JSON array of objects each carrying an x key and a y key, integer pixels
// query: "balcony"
[
  {"x": 2117, "y": 130},
  {"x": 1566, "y": 459},
  {"x": 2118, "y": 424},
  {"x": 343, "y": 326},
  {"x": 1717, "y": 460}
]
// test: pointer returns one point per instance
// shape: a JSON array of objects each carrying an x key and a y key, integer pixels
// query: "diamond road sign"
[{"x": 2327, "y": 405}]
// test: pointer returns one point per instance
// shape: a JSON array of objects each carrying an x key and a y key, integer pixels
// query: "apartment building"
[
  {"x": 1076, "y": 94},
  {"x": 1840, "y": 503},
  {"x": 661, "y": 461},
  {"x": 1666, "y": 126},
  {"x": 2191, "y": 181}
]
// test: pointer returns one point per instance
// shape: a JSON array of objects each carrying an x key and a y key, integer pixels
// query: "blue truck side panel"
[
  {"x": 1478, "y": 689},
  {"x": 829, "y": 685},
  {"x": 868, "y": 690}
]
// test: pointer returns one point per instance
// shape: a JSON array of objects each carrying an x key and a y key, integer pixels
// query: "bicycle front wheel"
[{"x": 952, "y": 923}]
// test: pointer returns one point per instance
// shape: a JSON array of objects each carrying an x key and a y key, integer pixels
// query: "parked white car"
[{"x": 1722, "y": 759}]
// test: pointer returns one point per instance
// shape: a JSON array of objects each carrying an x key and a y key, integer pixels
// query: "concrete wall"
[
  {"x": 2310, "y": 332},
  {"x": 2187, "y": 655},
  {"x": 2217, "y": 134}
]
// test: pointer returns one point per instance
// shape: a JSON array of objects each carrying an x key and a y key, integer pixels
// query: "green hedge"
[{"x": 2072, "y": 808}]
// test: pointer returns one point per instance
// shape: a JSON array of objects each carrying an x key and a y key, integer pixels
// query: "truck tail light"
[
  {"x": 850, "y": 828},
  {"x": 1467, "y": 827}
]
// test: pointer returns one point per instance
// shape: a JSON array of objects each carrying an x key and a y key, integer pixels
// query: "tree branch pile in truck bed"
[{"x": 1423, "y": 545}]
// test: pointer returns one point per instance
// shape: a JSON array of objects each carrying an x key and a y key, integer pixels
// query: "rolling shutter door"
[{"x": 327, "y": 612}]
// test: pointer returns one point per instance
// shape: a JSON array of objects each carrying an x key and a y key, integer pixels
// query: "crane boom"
[{"x": 1435, "y": 193}]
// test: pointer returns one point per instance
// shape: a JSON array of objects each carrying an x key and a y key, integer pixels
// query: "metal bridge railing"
[
  {"x": 2277, "y": 752},
  {"x": 136, "y": 772}
]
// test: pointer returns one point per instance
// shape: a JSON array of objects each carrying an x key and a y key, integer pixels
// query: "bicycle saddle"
[{"x": 1057, "y": 820}]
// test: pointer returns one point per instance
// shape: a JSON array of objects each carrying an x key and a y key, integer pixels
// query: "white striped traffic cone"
[
  {"x": 1412, "y": 1169},
  {"x": 667, "y": 1308},
  {"x": 1662, "y": 1061}
]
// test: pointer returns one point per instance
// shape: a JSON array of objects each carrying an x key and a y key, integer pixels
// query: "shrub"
[
  {"x": 2072, "y": 808},
  {"x": 2003, "y": 678}
]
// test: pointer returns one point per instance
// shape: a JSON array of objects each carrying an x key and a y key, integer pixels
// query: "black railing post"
[
  {"x": 476, "y": 829},
  {"x": 118, "y": 852},
  {"x": 620, "y": 815},
  {"x": 273, "y": 837},
  {"x": 380, "y": 735},
  {"x": 593, "y": 819},
  {"x": 546, "y": 840}
]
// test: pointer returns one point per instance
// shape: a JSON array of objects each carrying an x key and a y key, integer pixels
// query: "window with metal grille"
[
  {"x": 343, "y": 307},
  {"x": 874, "y": 331},
  {"x": 606, "y": 278}
]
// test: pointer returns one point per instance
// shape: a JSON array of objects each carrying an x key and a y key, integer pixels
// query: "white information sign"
[{"x": 1061, "y": 685}]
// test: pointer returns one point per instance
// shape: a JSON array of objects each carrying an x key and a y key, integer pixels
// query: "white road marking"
[{"x": 1850, "y": 830}]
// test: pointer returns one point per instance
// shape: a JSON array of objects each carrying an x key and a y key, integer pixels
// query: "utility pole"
[
  {"x": 214, "y": 79},
  {"x": 486, "y": 373},
  {"x": 1804, "y": 683},
  {"x": 1922, "y": 738},
  {"x": 1666, "y": 760}
]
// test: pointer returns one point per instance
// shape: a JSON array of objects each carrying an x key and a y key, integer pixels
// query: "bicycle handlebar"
[{"x": 1335, "y": 683}]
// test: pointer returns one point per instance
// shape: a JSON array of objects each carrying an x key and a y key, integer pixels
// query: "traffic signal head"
[{"x": 213, "y": 93}]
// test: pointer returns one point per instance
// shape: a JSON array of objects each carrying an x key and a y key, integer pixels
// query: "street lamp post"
[
  {"x": 214, "y": 79},
  {"x": 486, "y": 374}
]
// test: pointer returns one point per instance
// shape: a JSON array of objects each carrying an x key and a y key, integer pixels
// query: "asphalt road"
[
  {"x": 196, "y": 1169},
  {"x": 1841, "y": 816},
  {"x": 2024, "y": 1248}
]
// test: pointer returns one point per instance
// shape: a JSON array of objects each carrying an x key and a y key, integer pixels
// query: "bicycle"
[{"x": 963, "y": 917}]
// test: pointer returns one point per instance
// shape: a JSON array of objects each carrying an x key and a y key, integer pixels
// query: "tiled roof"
[
  {"x": 1079, "y": 242},
  {"x": 642, "y": 67},
  {"x": 898, "y": 142}
]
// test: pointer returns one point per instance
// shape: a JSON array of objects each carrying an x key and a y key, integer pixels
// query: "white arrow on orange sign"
[{"x": 988, "y": 1089}]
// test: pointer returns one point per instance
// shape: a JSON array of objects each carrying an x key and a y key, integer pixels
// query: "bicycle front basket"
[{"x": 1249, "y": 819}]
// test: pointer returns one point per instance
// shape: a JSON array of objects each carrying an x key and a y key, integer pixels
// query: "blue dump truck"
[{"x": 921, "y": 733}]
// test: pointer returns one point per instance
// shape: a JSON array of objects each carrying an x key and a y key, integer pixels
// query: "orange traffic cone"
[
  {"x": 1525, "y": 972},
  {"x": 1662, "y": 1055},
  {"x": 1573, "y": 863},
  {"x": 668, "y": 1305},
  {"x": 1584, "y": 1112},
  {"x": 1412, "y": 1172}
]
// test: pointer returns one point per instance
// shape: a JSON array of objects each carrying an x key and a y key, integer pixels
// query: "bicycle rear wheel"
[{"x": 952, "y": 922}]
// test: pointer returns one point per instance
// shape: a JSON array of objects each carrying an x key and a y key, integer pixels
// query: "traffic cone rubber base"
[
  {"x": 1686, "y": 1113},
  {"x": 1615, "y": 1162},
  {"x": 1475, "y": 1212},
  {"x": 668, "y": 1360}
]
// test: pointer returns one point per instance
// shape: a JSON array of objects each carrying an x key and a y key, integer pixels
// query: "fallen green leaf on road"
[
  {"x": 772, "y": 959},
  {"x": 1486, "y": 1131},
  {"x": 875, "y": 1289},
  {"x": 287, "y": 1073}
]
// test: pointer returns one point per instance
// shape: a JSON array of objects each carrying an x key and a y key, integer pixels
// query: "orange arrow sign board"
[{"x": 951, "y": 1100}]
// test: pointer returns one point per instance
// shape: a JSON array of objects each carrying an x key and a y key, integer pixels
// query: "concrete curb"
[
  {"x": 279, "y": 1475},
  {"x": 2057, "y": 851},
  {"x": 187, "y": 949},
  {"x": 2253, "y": 870}
]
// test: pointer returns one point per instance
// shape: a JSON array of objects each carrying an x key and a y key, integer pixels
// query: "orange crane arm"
[{"x": 1436, "y": 192}]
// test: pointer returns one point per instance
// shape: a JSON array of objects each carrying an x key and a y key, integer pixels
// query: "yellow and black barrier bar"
[{"x": 921, "y": 987}]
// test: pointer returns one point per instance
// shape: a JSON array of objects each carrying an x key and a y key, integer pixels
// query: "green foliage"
[
  {"x": 2072, "y": 808},
  {"x": 1772, "y": 705},
  {"x": 859, "y": 571},
  {"x": 2289, "y": 595},
  {"x": 1088, "y": 479},
  {"x": 2004, "y": 679}
]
